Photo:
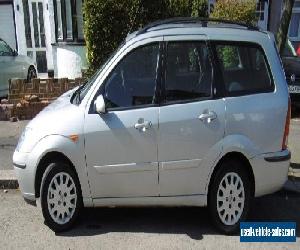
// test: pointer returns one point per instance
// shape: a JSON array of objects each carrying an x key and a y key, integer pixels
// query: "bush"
[
  {"x": 235, "y": 10},
  {"x": 107, "y": 22}
]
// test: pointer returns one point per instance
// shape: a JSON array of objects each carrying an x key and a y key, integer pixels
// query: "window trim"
[
  {"x": 75, "y": 40},
  {"x": 214, "y": 88},
  {"x": 157, "y": 83},
  {"x": 271, "y": 89}
]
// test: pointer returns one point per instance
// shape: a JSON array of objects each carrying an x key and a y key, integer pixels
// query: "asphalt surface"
[
  {"x": 22, "y": 226},
  {"x": 9, "y": 136}
]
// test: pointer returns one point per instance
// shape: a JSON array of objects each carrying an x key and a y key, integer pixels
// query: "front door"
[
  {"x": 35, "y": 33},
  {"x": 121, "y": 145},
  {"x": 191, "y": 120}
]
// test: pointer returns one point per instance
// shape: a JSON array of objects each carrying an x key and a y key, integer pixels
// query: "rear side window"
[
  {"x": 244, "y": 68},
  {"x": 188, "y": 71}
]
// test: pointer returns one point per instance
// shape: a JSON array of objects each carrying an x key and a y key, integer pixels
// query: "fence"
[{"x": 25, "y": 100}]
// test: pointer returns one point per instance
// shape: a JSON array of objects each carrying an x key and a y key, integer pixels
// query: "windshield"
[
  {"x": 289, "y": 49},
  {"x": 81, "y": 92}
]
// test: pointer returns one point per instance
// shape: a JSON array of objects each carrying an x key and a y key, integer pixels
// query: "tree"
[
  {"x": 235, "y": 10},
  {"x": 284, "y": 25},
  {"x": 107, "y": 22}
]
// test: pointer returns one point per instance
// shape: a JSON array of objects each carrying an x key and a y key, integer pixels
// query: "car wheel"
[
  {"x": 61, "y": 198},
  {"x": 31, "y": 74},
  {"x": 229, "y": 196}
]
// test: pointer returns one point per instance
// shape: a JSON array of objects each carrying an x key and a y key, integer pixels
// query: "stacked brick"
[{"x": 26, "y": 100}]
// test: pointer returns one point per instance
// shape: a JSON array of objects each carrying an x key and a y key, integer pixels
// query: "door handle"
[
  {"x": 208, "y": 116},
  {"x": 142, "y": 125}
]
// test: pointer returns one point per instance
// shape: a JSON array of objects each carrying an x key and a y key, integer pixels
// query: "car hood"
[{"x": 60, "y": 117}]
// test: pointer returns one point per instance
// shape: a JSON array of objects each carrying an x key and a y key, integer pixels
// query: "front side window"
[
  {"x": 5, "y": 50},
  {"x": 133, "y": 81},
  {"x": 188, "y": 71},
  {"x": 244, "y": 68}
]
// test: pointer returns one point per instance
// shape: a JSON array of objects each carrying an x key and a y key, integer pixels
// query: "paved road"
[
  {"x": 21, "y": 226},
  {"x": 9, "y": 136},
  {"x": 294, "y": 141},
  {"x": 10, "y": 132}
]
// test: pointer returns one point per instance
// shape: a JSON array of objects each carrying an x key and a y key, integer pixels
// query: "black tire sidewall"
[
  {"x": 226, "y": 167},
  {"x": 52, "y": 170}
]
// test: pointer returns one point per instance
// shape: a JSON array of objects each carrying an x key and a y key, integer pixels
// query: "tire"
[
  {"x": 31, "y": 74},
  {"x": 60, "y": 205},
  {"x": 225, "y": 198}
]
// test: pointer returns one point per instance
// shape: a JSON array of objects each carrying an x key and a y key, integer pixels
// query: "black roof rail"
[{"x": 202, "y": 21}]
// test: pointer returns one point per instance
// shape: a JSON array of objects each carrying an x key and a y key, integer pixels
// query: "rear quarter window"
[{"x": 244, "y": 68}]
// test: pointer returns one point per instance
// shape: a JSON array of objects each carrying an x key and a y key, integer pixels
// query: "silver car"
[
  {"x": 184, "y": 113},
  {"x": 13, "y": 65}
]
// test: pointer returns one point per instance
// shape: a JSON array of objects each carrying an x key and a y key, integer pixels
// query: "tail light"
[{"x": 287, "y": 127}]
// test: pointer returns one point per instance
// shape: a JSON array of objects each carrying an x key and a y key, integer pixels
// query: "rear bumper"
[
  {"x": 270, "y": 171},
  {"x": 284, "y": 155}
]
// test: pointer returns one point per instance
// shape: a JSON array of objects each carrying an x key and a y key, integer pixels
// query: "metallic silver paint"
[{"x": 171, "y": 162}]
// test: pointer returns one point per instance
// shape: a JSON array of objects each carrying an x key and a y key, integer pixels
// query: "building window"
[
  {"x": 294, "y": 30},
  {"x": 260, "y": 10},
  {"x": 68, "y": 20},
  {"x": 27, "y": 24}
]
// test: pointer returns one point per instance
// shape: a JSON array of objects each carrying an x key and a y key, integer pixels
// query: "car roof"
[{"x": 214, "y": 29}]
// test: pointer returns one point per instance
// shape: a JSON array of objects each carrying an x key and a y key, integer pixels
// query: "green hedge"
[
  {"x": 107, "y": 22},
  {"x": 236, "y": 10}
]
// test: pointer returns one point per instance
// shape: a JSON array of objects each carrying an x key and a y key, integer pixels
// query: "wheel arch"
[
  {"x": 240, "y": 157},
  {"x": 44, "y": 163}
]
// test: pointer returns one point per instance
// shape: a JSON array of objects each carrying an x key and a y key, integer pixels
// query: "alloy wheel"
[
  {"x": 230, "y": 198},
  {"x": 62, "y": 198}
]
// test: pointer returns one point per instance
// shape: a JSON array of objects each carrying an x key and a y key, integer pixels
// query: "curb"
[{"x": 8, "y": 180}]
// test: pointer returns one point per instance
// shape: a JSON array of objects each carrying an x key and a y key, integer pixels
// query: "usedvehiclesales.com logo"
[{"x": 268, "y": 232}]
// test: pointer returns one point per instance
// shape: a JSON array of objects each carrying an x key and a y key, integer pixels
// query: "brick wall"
[{"x": 26, "y": 100}]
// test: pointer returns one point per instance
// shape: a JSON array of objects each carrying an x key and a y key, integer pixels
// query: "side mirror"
[
  {"x": 15, "y": 53},
  {"x": 100, "y": 105}
]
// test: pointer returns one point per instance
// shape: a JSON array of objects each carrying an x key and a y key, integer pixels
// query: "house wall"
[
  {"x": 20, "y": 27},
  {"x": 68, "y": 59},
  {"x": 49, "y": 22}
]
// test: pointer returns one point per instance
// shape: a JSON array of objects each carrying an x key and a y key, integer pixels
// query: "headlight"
[{"x": 27, "y": 141}]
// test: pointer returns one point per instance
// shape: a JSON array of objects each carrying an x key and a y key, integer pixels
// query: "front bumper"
[
  {"x": 25, "y": 174},
  {"x": 270, "y": 171}
]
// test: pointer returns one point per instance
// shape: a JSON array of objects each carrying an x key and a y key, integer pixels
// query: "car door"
[
  {"x": 121, "y": 145},
  {"x": 254, "y": 109},
  {"x": 10, "y": 67},
  {"x": 191, "y": 117}
]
